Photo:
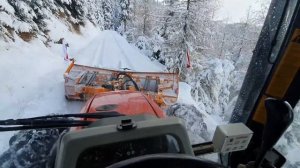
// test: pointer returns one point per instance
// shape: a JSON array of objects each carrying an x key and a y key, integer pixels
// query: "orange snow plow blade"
[{"x": 83, "y": 82}]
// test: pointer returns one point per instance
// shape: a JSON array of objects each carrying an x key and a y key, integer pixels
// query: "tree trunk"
[
  {"x": 222, "y": 45},
  {"x": 186, "y": 17},
  {"x": 144, "y": 25},
  {"x": 125, "y": 25}
]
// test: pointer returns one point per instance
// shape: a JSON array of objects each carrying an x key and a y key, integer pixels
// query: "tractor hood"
[{"x": 124, "y": 102}]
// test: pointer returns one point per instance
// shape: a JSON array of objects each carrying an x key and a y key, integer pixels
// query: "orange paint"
[{"x": 127, "y": 102}]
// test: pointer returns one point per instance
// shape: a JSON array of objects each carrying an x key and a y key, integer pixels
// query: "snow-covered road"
[{"x": 110, "y": 50}]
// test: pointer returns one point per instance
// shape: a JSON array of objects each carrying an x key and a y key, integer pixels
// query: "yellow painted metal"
[{"x": 283, "y": 77}]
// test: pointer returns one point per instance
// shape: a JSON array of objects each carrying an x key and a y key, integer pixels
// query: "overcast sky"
[{"x": 235, "y": 10}]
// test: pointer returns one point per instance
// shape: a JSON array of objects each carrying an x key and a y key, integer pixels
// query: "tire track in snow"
[
  {"x": 128, "y": 62},
  {"x": 83, "y": 54},
  {"x": 102, "y": 55},
  {"x": 98, "y": 54},
  {"x": 110, "y": 50}
]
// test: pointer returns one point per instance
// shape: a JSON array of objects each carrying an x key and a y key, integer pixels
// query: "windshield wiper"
[
  {"x": 54, "y": 121},
  {"x": 46, "y": 124},
  {"x": 96, "y": 115}
]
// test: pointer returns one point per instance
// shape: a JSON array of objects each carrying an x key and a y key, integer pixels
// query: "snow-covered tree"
[
  {"x": 187, "y": 26},
  {"x": 107, "y": 9},
  {"x": 126, "y": 10},
  {"x": 172, "y": 30},
  {"x": 28, "y": 18},
  {"x": 94, "y": 13}
]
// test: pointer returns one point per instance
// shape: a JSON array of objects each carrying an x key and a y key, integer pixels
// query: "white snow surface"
[
  {"x": 6, "y": 6},
  {"x": 110, "y": 50}
]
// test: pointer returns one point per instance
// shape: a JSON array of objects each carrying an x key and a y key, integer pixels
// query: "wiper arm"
[
  {"x": 54, "y": 121},
  {"x": 96, "y": 115},
  {"x": 46, "y": 124}
]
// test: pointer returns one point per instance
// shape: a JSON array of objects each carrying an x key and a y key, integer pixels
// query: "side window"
[
  {"x": 289, "y": 144},
  {"x": 220, "y": 68}
]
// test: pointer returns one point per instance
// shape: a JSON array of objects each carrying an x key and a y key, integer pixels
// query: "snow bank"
[
  {"x": 31, "y": 76},
  {"x": 199, "y": 124}
]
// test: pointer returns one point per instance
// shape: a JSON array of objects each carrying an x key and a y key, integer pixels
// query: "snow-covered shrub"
[
  {"x": 143, "y": 44},
  {"x": 151, "y": 47},
  {"x": 211, "y": 82},
  {"x": 194, "y": 120}
]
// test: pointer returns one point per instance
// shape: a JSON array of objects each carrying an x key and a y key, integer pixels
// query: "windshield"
[{"x": 209, "y": 43}]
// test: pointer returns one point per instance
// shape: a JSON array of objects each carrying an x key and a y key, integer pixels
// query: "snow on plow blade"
[{"x": 83, "y": 82}]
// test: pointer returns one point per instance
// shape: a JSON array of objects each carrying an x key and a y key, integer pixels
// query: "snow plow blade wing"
[{"x": 83, "y": 82}]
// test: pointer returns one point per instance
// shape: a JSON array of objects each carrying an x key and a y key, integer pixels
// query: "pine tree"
[
  {"x": 95, "y": 13},
  {"x": 173, "y": 33},
  {"x": 126, "y": 10},
  {"x": 108, "y": 13}
]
